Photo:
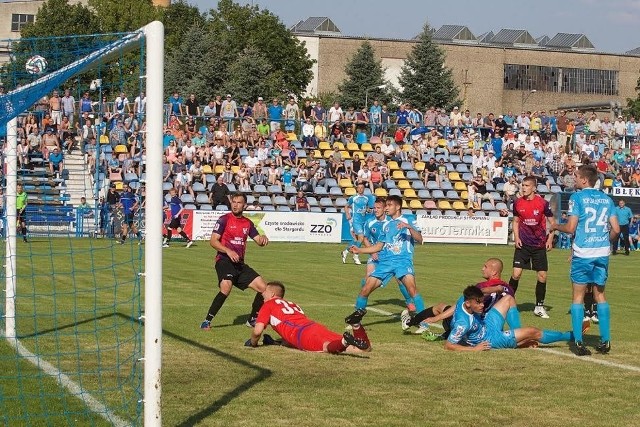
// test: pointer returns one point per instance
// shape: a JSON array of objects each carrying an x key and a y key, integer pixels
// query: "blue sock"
[
  {"x": 604, "y": 314},
  {"x": 405, "y": 293},
  {"x": 554, "y": 336},
  {"x": 577, "y": 314},
  {"x": 513, "y": 318},
  {"x": 417, "y": 300},
  {"x": 361, "y": 302}
]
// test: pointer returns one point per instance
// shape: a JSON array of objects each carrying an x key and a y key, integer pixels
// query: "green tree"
[
  {"x": 178, "y": 18},
  {"x": 123, "y": 16},
  {"x": 365, "y": 76},
  {"x": 424, "y": 79},
  {"x": 250, "y": 76},
  {"x": 633, "y": 105},
  {"x": 198, "y": 64},
  {"x": 241, "y": 27},
  {"x": 49, "y": 22}
]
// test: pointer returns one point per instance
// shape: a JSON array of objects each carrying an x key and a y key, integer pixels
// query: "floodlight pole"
[{"x": 154, "y": 33}]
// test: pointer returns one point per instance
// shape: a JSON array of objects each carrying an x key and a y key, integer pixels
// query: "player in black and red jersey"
[
  {"x": 298, "y": 331},
  {"x": 530, "y": 216},
  {"x": 229, "y": 238}
]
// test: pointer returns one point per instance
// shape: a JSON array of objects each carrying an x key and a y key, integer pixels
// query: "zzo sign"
[{"x": 329, "y": 230}]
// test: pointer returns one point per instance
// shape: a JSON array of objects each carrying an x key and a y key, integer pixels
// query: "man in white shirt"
[
  {"x": 251, "y": 161},
  {"x": 217, "y": 154},
  {"x": 455, "y": 117},
  {"x": 619, "y": 130},
  {"x": 387, "y": 149},
  {"x": 364, "y": 176},
  {"x": 68, "y": 106},
  {"x": 229, "y": 108},
  {"x": 189, "y": 152},
  {"x": 140, "y": 104},
  {"x": 335, "y": 113}
]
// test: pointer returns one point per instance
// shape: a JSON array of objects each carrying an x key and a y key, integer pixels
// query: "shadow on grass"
[
  {"x": 261, "y": 374},
  {"x": 239, "y": 320},
  {"x": 390, "y": 301}
]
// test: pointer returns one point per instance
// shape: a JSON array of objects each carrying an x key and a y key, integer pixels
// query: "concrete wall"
[{"x": 482, "y": 69}]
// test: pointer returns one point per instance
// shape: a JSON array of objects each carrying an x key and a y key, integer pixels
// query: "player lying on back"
[
  {"x": 470, "y": 331},
  {"x": 298, "y": 331}
]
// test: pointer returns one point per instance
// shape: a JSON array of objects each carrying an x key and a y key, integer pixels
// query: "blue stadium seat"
[
  {"x": 389, "y": 184},
  {"x": 467, "y": 176},
  {"x": 435, "y": 212},
  {"x": 331, "y": 182},
  {"x": 166, "y": 186},
  {"x": 452, "y": 195},
  {"x": 500, "y": 206},
  {"x": 486, "y": 206},
  {"x": 269, "y": 208},
  {"x": 395, "y": 192},
  {"x": 274, "y": 189},
  {"x": 422, "y": 212},
  {"x": 437, "y": 194},
  {"x": 206, "y": 207},
  {"x": 290, "y": 189},
  {"x": 280, "y": 200},
  {"x": 424, "y": 194},
  {"x": 467, "y": 159},
  {"x": 326, "y": 202},
  {"x": 432, "y": 185},
  {"x": 446, "y": 185},
  {"x": 411, "y": 175},
  {"x": 187, "y": 198},
  {"x": 312, "y": 201},
  {"x": 316, "y": 209},
  {"x": 250, "y": 199},
  {"x": 232, "y": 187},
  {"x": 462, "y": 167},
  {"x": 335, "y": 191},
  {"x": 490, "y": 187},
  {"x": 406, "y": 166},
  {"x": 451, "y": 213},
  {"x": 202, "y": 198},
  {"x": 222, "y": 208},
  {"x": 283, "y": 208},
  {"x": 190, "y": 206},
  {"x": 198, "y": 187},
  {"x": 341, "y": 202},
  {"x": 259, "y": 188},
  {"x": 454, "y": 158},
  {"x": 500, "y": 187},
  {"x": 264, "y": 200},
  {"x": 556, "y": 189},
  {"x": 327, "y": 210},
  {"x": 320, "y": 190},
  {"x": 417, "y": 185},
  {"x": 542, "y": 189}
]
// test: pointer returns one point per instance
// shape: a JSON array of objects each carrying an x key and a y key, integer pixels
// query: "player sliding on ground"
[
  {"x": 298, "y": 331},
  {"x": 470, "y": 331}
]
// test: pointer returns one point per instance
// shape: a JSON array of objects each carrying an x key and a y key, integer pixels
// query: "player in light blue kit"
[
  {"x": 373, "y": 229},
  {"x": 356, "y": 213},
  {"x": 471, "y": 332},
  {"x": 594, "y": 224},
  {"x": 395, "y": 257}
]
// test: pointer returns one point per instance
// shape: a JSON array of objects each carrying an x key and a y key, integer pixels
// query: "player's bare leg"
[
  {"x": 216, "y": 304},
  {"x": 259, "y": 285}
]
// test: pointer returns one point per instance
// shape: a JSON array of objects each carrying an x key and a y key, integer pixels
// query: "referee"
[
  {"x": 624, "y": 215},
  {"x": 21, "y": 208}
]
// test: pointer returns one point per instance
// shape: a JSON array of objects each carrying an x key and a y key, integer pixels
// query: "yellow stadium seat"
[
  {"x": 392, "y": 165},
  {"x": 327, "y": 153},
  {"x": 349, "y": 191},
  {"x": 366, "y": 147},
  {"x": 608, "y": 182},
  {"x": 460, "y": 186},
  {"x": 404, "y": 184},
  {"x": 406, "y": 147},
  {"x": 464, "y": 195},
  {"x": 352, "y": 146},
  {"x": 459, "y": 206},
  {"x": 104, "y": 139},
  {"x": 207, "y": 169},
  {"x": 219, "y": 169},
  {"x": 415, "y": 204},
  {"x": 404, "y": 204},
  {"x": 235, "y": 169},
  {"x": 409, "y": 193},
  {"x": 419, "y": 166},
  {"x": 380, "y": 192},
  {"x": 442, "y": 142},
  {"x": 340, "y": 145},
  {"x": 317, "y": 154},
  {"x": 121, "y": 149},
  {"x": 444, "y": 204},
  {"x": 345, "y": 183},
  {"x": 345, "y": 154},
  {"x": 397, "y": 174},
  {"x": 291, "y": 136},
  {"x": 360, "y": 155},
  {"x": 454, "y": 176},
  {"x": 119, "y": 185},
  {"x": 303, "y": 161},
  {"x": 324, "y": 145}
]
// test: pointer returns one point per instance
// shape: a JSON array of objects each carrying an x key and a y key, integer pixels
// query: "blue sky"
[{"x": 611, "y": 25}]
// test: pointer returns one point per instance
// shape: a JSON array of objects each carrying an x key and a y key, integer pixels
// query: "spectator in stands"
[
  {"x": 364, "y": 177},
  {"x": 477, "y": 162},
  {"x": 50, "y": 141},
  {"x": 183, "y": 181},
  {"x": 56, "y": 162},
  {"x": 387, "y": 149},
  {"x": 220, "y": 194},
  {"x": 337, "y": 132},
  {"x": 275, "y": 112},
  {"x": 301, "y": 202},
  {"x": 302, "y": 178},
  {"x": 510, "y": 191},
  {"x": 309, "y": 140},
  {"x": 258, "y": 177},
  {"x": 196, "y": 172},
  {"x": 22, "y": 152},
  {"x": 362, "y": 121},
  {"x": 385, "y": 120},
  {"x": 118, "y": 135},
  {"x": 84, "y": 209},
  {"x": 375, "y": 113},
  {"x": 350, "y": 118},
  {"x": 242, "y": 178},
  {"x": 538, "y": 171},
  {"x": 480, "y": 184},
  {"x": 430, "y": 172}
]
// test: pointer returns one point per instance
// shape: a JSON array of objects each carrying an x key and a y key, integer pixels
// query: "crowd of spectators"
[{"x": 227, "y": 143}]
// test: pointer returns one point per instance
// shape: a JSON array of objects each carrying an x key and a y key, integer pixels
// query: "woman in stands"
[
  {"x": 242, "y": 178},
  {"x": 31, "y": 126},
  {"x": 172, "y": 152}
]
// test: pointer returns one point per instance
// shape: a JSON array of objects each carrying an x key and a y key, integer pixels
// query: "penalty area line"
[
  {"x": 65, "y": 381},
  {"x": 545, "y": 350}
]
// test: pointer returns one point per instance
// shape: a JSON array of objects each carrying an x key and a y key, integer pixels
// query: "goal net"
[{"x": 83, "y": 141}]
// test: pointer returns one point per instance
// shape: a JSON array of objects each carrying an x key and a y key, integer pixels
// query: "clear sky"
[{"x": 611, "y": 25}]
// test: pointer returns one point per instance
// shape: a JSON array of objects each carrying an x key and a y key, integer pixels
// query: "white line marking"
[
  {"x": 546, "y": 350},
  {"x": 592, "y": 360},
  {"x": 76, "y": 390}
]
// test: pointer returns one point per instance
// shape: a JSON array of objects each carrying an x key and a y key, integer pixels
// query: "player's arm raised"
[{"x": 367, "y": 250}]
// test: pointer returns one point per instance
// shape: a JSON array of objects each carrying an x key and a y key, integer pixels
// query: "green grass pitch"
[{"x": 211, "y": 379}]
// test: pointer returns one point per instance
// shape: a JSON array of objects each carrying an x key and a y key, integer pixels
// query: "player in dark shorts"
[
  {"x": 175, "y": 208},
  {"x": 129, "y": 203},
  {"x": 229, "y": 239},
  {"x": 530, "y": 216}
]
